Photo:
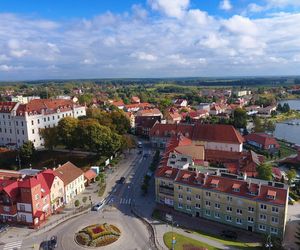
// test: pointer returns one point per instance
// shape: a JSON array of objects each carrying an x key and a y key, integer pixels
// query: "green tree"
[
  {"x": 85, "y": 99},
  {"x": 286, "y": 108},
  {"x": 291, "y": 175},
  {"x": 240, "y": 118},
  {"x": 66, "y": 129},
  {"x": 77, "y": 203},
  {"x": 27, "y": 151},
  {"x": 50, "y": 137},
  {"x": 258, "y": 125},
  {"x": 121, "y": 121},
  {"x": 265, "y": 172}
]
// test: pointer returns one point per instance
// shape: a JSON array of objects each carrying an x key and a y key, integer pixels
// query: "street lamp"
[
  {"x": 90, "y": 198},
  {"x": 269, "y": 242}
]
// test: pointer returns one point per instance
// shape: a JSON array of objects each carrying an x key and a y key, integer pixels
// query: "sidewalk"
[{"x": 21, "y": 232}]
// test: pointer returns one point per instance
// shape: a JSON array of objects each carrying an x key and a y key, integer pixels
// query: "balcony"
[{"x": 166, "y": 190}]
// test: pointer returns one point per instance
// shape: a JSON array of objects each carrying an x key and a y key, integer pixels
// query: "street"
[{"x": 117, "y": 211}]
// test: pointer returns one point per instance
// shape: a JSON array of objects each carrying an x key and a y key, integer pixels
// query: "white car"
[{"x": 98, "y": 206}]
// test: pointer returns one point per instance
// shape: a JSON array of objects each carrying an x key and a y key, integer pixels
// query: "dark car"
[
  {"x": 229, "y": 234},
  {"x": 53, "y": 241},
  {"x": 122, "y": 180},
  {"x": 140, "y": 152},
  {"x": 45, "y": 245},
  {"x": 3, "y": 228}
]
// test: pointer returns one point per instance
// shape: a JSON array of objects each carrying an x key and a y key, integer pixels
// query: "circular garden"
[{"x": 97, "y": 235}]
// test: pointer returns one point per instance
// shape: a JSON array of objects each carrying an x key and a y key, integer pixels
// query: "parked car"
[
  {"x": 121, "y": 180},
  {"x": 229, "y": 234},
  {"x": 3, "y": 228},
  {"x": 97, "y": 207}
]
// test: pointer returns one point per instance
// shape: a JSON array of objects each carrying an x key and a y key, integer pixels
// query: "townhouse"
[
  {"x": 250, "y": 204},
  {"x": 73, "y": 179},
  {"x": 20, "y": 123},
  {"x": 263, "y": 141}
]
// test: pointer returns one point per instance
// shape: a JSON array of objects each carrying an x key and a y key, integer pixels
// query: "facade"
[
  {"x": 263, "y": 141},
  {"x": 73, "y": 179},
  {"x": 250, "y": 204},
  {"x": 212, "y": 137},
  {"x": 56, "y": 187},
  {"x": 20, "y": 123}
]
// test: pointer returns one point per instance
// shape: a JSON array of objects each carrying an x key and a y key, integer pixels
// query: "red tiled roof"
[
  {"x": 7, "y": 107},
  {"x": 138, "y": 105},
  {"x": 28, "y": 183},
  {"x": 263, "y": 139},
  {"x": 236, "y": 186},
  {"x": 166, "y": 172},
  {"x": 215, "y": 182},
  {"x": 271, "y": 193},
  {"x": 90, "y": 174},
  {"x": 149, "y": 112}
]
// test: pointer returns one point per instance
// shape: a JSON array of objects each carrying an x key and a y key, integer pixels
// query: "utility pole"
[{"x": 173, "y": 237}]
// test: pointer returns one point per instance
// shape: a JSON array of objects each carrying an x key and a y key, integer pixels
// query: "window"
[
  {"x": 32, "y": 122},
  {"x": 188, "y": 190},
  {"x": 38, "y": 121},
  {"x": 188, "y": 198},
  {"x": 45, "y": 119},
  {"x": 207, "y": 212},
  {"x": 198, "y": 196},
  {"x": 17, "y": 123},
  {"x": 229, "y": 209},
  {"x": 263, "y": 207},
  {"x": 37, "y": 197},
  {"x": 180, "y": 196},
  {"x": 262, "y": 217},
  {"x": 207, "y": 194},
  {"x": 275, "y": 209},
  {"x": 262, "y": 227},
  {"x": 198, "y": 206},
  {"x": 23, "y": 217},
  {"x": 217, "y": 215},
  {"x": 250, "y": 219},
  {"x": 217, "y": 205},
  {"x": 22, "y": 207},
  {"x": 58, "y": 117},
  {"x": 179, "y": 205},
  {"x": 239, "y": 211},
  {"x": 48, "y": 119},
  {"x": 239, "y": 221},
  {"x": 179, "y": 187},
  {"x": 274, "y": 230},
  {"x": 228, "y": 218},
  {"x": 33, "y": 131},
  {"x": 207, "y": 203},
  {"x": 37, "y": 205},
  {"x": 229, "y": 198},
  {"x": 251, "y": 209},
  {"x": 53, "y": 117},
  {"x": 22, "y": 132},
  {"x": 274, "y": 220}
]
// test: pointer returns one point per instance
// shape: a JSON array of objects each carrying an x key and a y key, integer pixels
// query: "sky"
[{"x": 70, "y": 39}]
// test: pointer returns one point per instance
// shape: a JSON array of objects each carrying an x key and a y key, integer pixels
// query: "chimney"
[{"x": 259, "y": 187}]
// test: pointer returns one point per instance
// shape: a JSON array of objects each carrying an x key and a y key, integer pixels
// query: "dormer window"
[
  {"x": 186, "y": 177},
  {"x": 214, "y": 183},
  {"x": 168, "y": 173},
  {"x": 271, "y": 194},
  {"x": 236, "y": 187}
]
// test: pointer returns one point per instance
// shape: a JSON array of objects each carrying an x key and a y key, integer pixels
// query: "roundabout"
[{"x": 97, "y": 235}]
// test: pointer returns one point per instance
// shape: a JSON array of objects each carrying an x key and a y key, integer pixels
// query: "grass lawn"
[
  {"x": 286, "y": 150},
  {"x": 182, "y": 240},
  {"x": 236, "y": 244}
]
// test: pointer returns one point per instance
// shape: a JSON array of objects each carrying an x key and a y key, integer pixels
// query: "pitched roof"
[
  {"x": 263, "y": 139},
  {"x": 149, "y": 112},
  {"x": 7, "y": 107},
  {"x": 90, "y": 174},
  {"x": 68, "y": 172}
]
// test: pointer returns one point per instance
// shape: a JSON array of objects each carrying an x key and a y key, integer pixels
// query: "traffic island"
[{"x": 97, "y": 235}]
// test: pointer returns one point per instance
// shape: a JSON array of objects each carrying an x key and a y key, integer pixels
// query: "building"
[
  {"x": 23, "y": 99},
  {"x": 149, "y": 112},
  {"x": 135, "y": 100},
  {"x": 56, "y": 187},
  {"x": 267, "y": 111},
  {"x": 211, "y": 136},
  {"x": 143, "y": 124},
  {"x": 20, "y": 123},
  {"x": 89, "y": 177},
  {"x": 249, "y": 204},
  {"x": 240, "y": 93},
  {"x": 173, "y": 117},
  {"x": 180, "y": 103},
  {"x": 137, "y": 106},
  {"x": 263, "y": 141},
  {"x": 73, "y": 179},
  {"x": 25, "y": 201},
  {"x": 119, "y": 104}
]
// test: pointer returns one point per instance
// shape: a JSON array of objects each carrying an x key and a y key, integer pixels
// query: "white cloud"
[
  {"x": 253, "y": 7},
  {"x": 140, "y": 44},
  {"x": 225, "y": 5},
  {"x": 171, "y": 8},
  {"x": 144, "y": 56}
]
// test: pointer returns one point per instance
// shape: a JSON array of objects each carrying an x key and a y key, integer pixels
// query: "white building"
[
  {"x": 20, "y": 123},
  {"x": 23, "y": 99},
  {"x": 73, "y": 178}
]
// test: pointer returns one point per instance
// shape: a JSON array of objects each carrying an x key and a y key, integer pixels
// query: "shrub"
[
  {"x": 77, "y": 203},
  {"x": 84, "y": 199},
  {"x": 97, "y": 178}
]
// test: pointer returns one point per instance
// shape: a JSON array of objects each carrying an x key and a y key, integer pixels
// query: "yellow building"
[{"x": 251, "y": 204}]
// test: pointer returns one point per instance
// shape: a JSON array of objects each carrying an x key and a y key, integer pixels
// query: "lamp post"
[
  {"x": 90, "y": 198},
  {"x": 269, "y": 244}
]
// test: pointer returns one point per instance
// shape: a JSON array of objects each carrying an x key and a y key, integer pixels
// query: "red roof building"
[{"x": 263, "y": 141}]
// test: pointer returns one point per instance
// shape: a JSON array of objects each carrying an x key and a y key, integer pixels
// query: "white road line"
[
  {"x": 129, "y": 201},
  {"x": 121, "y": 201},
  {"x": 13, "y": 245}
]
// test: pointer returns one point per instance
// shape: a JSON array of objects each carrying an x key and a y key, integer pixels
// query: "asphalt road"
[{"x": 117, "y": 211}]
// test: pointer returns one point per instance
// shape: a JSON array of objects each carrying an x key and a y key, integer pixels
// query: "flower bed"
[{"x": 97, "y": 235}]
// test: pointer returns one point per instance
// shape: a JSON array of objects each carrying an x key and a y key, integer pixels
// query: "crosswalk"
[
  {"x": 125, "y": 201},
  {"x": 13, "y": 245}
]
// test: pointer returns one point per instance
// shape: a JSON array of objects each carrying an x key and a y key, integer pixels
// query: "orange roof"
[
  {"x": 90, "y": 174},
  {"x": 68, "y": 172},
  {"x": 7, "y": 107},
  {"x": 215, "y": 182},
  {"x": 271, "y": 193},
  {"x": 236, "y": 186}
]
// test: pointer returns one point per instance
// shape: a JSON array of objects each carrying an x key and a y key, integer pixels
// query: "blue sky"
[{"x": 42, "y": 39}]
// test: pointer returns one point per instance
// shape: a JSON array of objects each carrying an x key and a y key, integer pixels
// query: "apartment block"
[
  {"x": 250, "y": 204},
  {"x": 20, "y": 123}
]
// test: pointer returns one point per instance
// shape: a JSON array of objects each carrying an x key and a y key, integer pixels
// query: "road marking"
[
  {"x": 129, "y": 201},
  {"x": 121, "y": 201},
  {"x": 13, "y": 245}
]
